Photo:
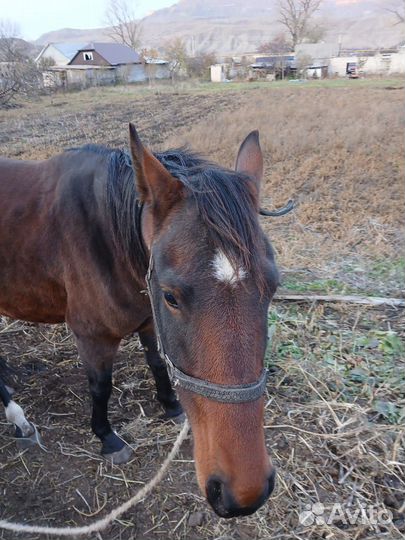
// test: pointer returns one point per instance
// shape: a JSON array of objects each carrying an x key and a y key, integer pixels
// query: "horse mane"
[
  {"x": 224, "y": 200},
  {"x": 226, "y": 203},
  {"x": 122, "y": 207}
]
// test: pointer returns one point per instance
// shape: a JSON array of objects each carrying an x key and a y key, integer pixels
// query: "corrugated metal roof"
[
  {"x": 114, "y": 53},
  {"x": 68, "y": 49},
  {"x": 78, "y": 68}
]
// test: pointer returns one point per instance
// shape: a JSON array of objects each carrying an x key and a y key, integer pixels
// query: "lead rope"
[{"x": 102, "y": 523}]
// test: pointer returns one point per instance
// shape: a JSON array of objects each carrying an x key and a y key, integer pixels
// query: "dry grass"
[
  {"x": 336, "y": 399},
  {"x": 339, "y": 154},
  {"x": 334, "y": 427}
]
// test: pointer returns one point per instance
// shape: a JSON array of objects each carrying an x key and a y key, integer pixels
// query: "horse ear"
[
  {"x": 154, "y": 183},
  {"x": 250, "y": 158}
]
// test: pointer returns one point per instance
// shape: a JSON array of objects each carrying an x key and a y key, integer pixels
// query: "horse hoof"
[
  {"x": 119, "y": 457},
  {"x": 30, "y": 440}
]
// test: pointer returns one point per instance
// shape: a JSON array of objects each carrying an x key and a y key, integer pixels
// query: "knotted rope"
[{"x": 102, "y": 523}]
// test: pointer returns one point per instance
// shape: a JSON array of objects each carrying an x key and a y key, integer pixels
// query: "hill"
[
  {"x": 17, "y": 46},
  {"x": 237, "y": 26}
]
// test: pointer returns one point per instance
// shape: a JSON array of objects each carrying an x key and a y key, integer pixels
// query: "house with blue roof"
[
  {"x": 60, "y": 54},
  {"x": 94, "y": 64}
]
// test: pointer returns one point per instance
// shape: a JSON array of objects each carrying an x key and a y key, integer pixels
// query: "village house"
[
  {"x": 111, "y": 62},
  {"x": 105, "y": 63}
]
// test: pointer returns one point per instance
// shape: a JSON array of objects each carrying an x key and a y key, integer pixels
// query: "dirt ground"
[{"x": 335, "y": 411}]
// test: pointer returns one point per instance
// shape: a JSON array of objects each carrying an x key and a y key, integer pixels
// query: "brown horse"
[{"x": 78, "y": 233}]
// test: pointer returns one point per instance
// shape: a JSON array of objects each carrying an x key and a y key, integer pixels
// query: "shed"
[
  {"x": 218, "y": 73},
  {"x": 278, "y": 65},
  {"x": 157, "y": 68}
]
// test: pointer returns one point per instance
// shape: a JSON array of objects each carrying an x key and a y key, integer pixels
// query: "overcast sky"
[{"x": 35, "y": 17}]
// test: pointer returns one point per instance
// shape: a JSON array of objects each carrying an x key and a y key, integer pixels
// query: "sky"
[{"x": 35, "y": 17}]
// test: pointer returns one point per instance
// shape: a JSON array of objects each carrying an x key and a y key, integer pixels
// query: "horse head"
[{"x": 213, "y": 277}]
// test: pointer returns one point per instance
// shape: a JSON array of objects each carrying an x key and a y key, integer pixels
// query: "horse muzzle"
[{"x": 223, "y": 501}]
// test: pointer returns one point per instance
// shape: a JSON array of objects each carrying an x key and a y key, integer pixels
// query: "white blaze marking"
[
  {"x": 15, "y": 415},
  {"x": 224, "y": 271}
]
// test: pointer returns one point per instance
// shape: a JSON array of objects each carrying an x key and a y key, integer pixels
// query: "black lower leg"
[
  {"x": 6, "y": 398},
  {"x": 4, "y": 394},
  {"x": 165, "y": 393},
  {"x": 97, "y": 355},
  {"x": 100, "y": 383}
]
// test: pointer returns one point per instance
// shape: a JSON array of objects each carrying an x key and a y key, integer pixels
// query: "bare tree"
[
  {"x": 18, "y": 73},
  {"x": 398, "y": 12},
  {"x": 295, "y": 15},
  {"x": 176, "y": 53},
  {"x": 199, "y": 65},
  {"x": 315, "y": 33},
  {"x": 278, "y": 45},
  {"x": 151, "y": 59},
  {"x": 302, "y": 63},
  {"x": 124, "y": 28}
]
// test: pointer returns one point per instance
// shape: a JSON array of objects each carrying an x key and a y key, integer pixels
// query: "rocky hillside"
[{"x": 237, "y": 26}]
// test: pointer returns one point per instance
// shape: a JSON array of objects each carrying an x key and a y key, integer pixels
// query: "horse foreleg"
[
  {"x": 97, "y": 356},
  {"x": 165, "y": 393},
  {"x": 24, "y": 431}
]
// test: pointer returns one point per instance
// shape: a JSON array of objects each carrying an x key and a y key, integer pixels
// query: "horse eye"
[{"x": 170, "y": 299}]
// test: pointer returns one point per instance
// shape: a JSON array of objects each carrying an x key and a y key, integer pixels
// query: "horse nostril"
[{"x": 214, "y": 490}]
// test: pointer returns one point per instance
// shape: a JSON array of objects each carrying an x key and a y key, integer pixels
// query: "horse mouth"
[{"x": 235, "y": 510}]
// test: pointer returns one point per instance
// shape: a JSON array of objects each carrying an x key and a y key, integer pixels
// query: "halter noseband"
[{"x": 224, "y": 393}]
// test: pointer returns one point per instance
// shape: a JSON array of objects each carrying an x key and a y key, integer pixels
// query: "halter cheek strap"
[{"x": 224, "y": 393}]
